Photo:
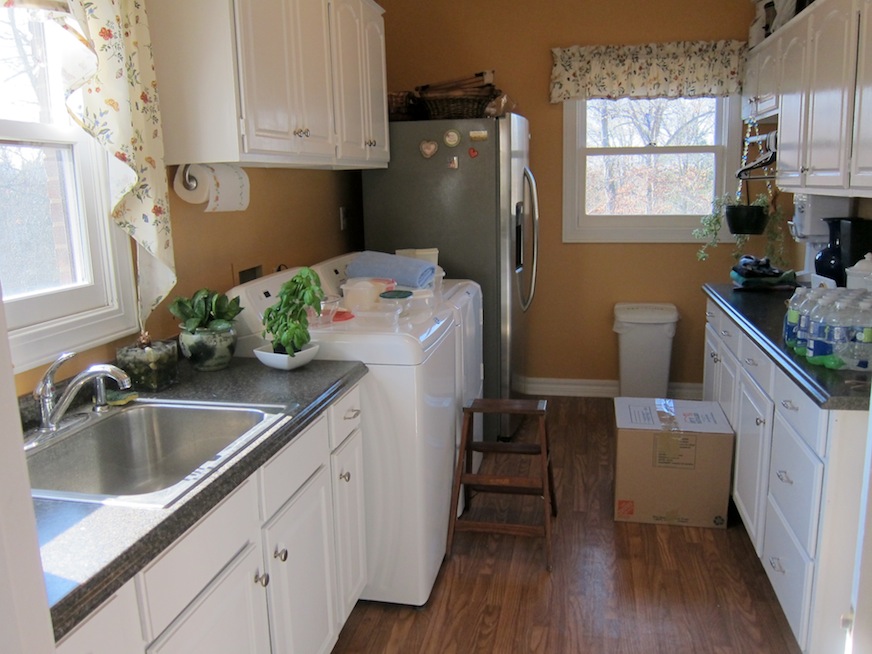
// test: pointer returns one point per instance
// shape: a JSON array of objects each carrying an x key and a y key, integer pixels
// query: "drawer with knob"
[
  {"x": 755, "y": 363},
  {"x": 795, "y": 482},
  {"x": 344, "y": 417},
  {"x": 800, "y": 412}
]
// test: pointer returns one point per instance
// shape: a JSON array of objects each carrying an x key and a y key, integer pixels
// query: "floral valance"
[
  {"x": 653, "y": 70},
  {"x": 112, "y": 94}
]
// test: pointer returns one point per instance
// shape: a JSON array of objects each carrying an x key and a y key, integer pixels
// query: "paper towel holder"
[{"x": 188, "y": 180}]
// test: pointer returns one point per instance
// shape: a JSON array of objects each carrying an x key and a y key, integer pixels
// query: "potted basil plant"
[{"x": 286, "y": 322}]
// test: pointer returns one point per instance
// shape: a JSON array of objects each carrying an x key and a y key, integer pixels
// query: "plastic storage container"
[{"x": 645, "y": 334}]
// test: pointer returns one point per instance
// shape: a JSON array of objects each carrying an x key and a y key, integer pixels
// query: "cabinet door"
[
  {"x": 751, "y": 470},
  {"x": 378, "y": 149},
  {"x": 298, "y": 550},
  {"x": 727, "y": 383},
  {"x": 767, "y": 81},
  {"x": 792, "y": 101},
  {"x": 268, "y": 76},
  {"x": 711, "y": 365},
  {"x": 112, "y": 628},
  {"x": 350, "y": 94},
  {"x": 348, "y": 495},
  {"x": 861, "y": 157},
  {"x": 228, "y": 617},
  {"x": 832, "y": 65},
  {"x": 311, "y": 33}
]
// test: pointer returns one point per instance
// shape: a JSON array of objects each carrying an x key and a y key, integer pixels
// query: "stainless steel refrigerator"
[{"x": 465, "y": 187}]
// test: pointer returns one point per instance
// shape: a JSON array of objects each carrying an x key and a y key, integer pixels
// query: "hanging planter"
[{"x": 746, "y": 218}]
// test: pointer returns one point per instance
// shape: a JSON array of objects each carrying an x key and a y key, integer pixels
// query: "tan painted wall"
[
  {"x": 293, "y": 219},
  {"x": 579, "y": 283}
]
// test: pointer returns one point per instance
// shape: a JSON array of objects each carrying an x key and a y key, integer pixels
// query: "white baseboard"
[{"x": 595, "y": 388}]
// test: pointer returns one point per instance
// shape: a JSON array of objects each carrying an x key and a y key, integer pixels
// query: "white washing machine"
[{"x": 410, "y": 408}]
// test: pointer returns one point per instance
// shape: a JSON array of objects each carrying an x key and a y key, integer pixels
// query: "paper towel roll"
[{"x": 224, "y": 186}]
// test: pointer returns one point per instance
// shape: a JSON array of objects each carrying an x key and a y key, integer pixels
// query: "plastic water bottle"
[
  {"x": 841, "y": 323},
  {"x": 861, "y": 342},
  {"x": 802, "y": 325},
  {"x": 791, "y": 317},
  {"x": 818, "y": 348}
]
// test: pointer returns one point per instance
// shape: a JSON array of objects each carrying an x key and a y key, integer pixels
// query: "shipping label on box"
[{"x": 673, "y": 462}]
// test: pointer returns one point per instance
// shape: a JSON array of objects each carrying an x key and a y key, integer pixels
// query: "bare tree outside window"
[{"x": 650, "y": 156}]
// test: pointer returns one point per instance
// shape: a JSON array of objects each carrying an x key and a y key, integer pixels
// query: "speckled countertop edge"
[
  {"x": 760, "y": 314},
  {"x": 89, "y": 551}
]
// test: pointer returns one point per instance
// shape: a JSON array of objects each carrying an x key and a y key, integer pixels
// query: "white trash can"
[{"x": 645, "y": 334}]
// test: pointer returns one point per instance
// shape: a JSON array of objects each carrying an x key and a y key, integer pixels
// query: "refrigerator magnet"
[
  {"x": 473, "y": 153},
  {"x": 454, "y": 163},
  {"x": 428, "y": 148},
  {"x": 478, "y": 135},
  {"x": 451, "y": 138}
]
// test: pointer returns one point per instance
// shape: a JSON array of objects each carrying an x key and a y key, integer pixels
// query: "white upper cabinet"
[
  {"x": 825, "y": 103},
  {"x": 359, "y": 82},
  {"x": 861, "y": 157},
  {"x": 252, "y": 82},
  {"x": 817, "y": 93},
  {"x": 760, "y": 87}
]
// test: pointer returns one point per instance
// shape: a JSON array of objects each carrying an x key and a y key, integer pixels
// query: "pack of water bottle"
[{"x": 831, "y": 327}]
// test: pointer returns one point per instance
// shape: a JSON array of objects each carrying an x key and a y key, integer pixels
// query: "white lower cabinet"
[
  {"x": 112, "y": 628},
  {"x": 298, "y": 549},
  {"x": 753, "y": 427},
  {"x": 275, "y": 567},
  {"x": 227, "y": 617},
  {"x": 797, "y": 480}
]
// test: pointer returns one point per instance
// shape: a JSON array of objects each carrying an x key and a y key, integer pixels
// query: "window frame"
[
  {"x": 579, "y": 227},
  {"x": 101, "y": 311}
]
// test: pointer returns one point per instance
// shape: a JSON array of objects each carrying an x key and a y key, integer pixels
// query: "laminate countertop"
[
  {"x": 760, "y": 314},
  {"x": 90, "y": 550}
]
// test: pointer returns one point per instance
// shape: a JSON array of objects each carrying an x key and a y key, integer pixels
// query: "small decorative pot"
[
  {"x": 208, "y": 349},
  {"x": 151, "y": 368}
]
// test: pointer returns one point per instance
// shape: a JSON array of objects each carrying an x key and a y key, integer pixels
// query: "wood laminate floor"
[{"x": 616, "y": 587}]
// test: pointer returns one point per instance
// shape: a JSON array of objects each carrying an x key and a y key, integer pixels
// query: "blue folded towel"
[{"x": 415, "y": 273}]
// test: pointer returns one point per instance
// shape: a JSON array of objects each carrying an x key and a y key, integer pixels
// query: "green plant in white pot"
[
  {"x": 287, "y": 321},
  {"x": 207, "y": 337}
]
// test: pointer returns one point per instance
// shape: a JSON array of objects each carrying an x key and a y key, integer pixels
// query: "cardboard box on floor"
[{"x": 674, "y": 462}]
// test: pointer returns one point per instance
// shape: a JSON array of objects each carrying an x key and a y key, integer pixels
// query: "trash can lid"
[{"x": 646, "y": 312}]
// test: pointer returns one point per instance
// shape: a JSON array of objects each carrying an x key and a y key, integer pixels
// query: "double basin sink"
[{"x": 147, "y": 453}]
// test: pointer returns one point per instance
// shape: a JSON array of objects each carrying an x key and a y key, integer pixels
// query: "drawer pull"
[
  {"x": 345, "y": 476},
  {"x": 281, "y": 554},
  {"x": 351, "y": 414},
  {"x": 760, "y": 421},
  {"x": 750, "y": 362},
  {"x": 725, "y": 333},
  {"x": 775, "y": 564},
  {"x": 790, "y": 406},
  {"x": 709, "y": 314},
  {"x": 784, "y": 477},
  {"x": 263, "y": 579}
]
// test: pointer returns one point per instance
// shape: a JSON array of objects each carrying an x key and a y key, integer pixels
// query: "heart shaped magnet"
[{"x": 428, "y": 148}]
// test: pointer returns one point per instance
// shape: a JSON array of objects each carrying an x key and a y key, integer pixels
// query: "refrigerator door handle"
[{"x": 534, "y": 202}]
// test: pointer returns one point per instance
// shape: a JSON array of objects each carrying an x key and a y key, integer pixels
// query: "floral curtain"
[
  {"x": 112, "y": 93},
  {"x": 653, "y": 70}
]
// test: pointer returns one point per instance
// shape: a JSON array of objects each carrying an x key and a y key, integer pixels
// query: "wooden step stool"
[{"x": 542, "y": 485}]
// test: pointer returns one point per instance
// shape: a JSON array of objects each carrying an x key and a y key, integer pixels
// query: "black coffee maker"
[{"x": 850, "y": 240}]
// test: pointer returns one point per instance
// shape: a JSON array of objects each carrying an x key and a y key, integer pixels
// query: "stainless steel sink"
[{"x": 144, "y": 454}]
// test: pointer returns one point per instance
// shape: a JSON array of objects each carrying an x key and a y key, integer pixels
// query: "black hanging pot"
[{"x": 746, "y": 218}]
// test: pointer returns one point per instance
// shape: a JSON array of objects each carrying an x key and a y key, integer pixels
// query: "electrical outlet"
[{"x": 343, "y": 219}]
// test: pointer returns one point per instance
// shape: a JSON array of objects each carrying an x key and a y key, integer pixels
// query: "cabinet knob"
[
  {"x": 263, "y": 579},
  {"x": 846, "y": 620},
  {"x": 725, "y": 333},
  {"x": 298, "y": 132},
  {"x": 709, "y": 314},
  {"x": 804, "y": 169},
  {"x": 784, "y": 477},
  {"x": 790, "y": 406},
  {"x": 345, "y": 476},
  {"x": 751, "y": 362},
  {"x": 306, "y": 132},
  {"x": 351, "y": 414},
  {"x": 281, "y": 554},
  {"x": 760, "y": 421},
  {"x": 775, "y": 564}
]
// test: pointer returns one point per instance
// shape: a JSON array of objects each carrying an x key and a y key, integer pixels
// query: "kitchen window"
[
  {"x": 65, "y": 268},
  {"x": 643, "y": 170}
]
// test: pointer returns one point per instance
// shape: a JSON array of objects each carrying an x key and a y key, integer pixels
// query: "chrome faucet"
[{"x": 46, "y": 392}]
